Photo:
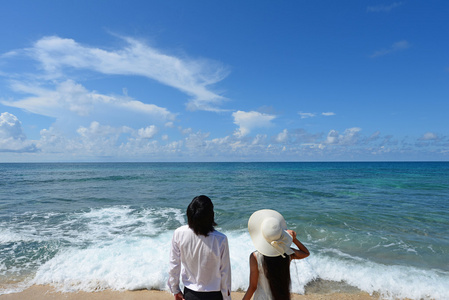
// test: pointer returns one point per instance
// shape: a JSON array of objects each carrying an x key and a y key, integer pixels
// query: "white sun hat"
[{"x": 267, "y": 229}]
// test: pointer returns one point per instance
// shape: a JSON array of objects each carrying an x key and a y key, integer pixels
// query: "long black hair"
[
  {"x": 277, "y": 271},
  {"x": 200, "y": 215}
]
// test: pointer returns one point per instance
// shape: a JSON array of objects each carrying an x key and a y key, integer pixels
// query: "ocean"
[{"x": 379, "y": 227}]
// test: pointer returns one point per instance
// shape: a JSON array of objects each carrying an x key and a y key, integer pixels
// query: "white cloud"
[
  {"x": 306, "y": 115},
  {"x": 429, "y": 136},
  {"x": 100, "y": 142},
  {"x": 96, "y": 131},
  {"x": 96, "y": 134},
  {"x": 70, "y": 101},
  {"x": 10, "y": 127},
  {"x": 12, "y": 138},
  {"x": 67, "y": 96},
  {"x": 197, "y": 141},
  {"x": 53, "y": 140},
  {"x": 332, "y": 137},
  {"x": 97, "y": 140},
  {"x": 247, "y": 121},
  {"x": 398, "y": 46},
  {"x": 187, "y": 75},
  {"x": 349, "y": 137},
  {"x": 148, "y": 132},
  {"x": 282, "y": 136},
  {"x": 259, "y": 139},
  {"x": 93, "y": 141},
  {"x": 384, "y": 8},
  {"x": 185, "y": 130}
]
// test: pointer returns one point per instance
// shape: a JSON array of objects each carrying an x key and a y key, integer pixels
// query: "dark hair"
[
  {"x": 200, "y": 215},
  {"x": 277, "y": 271}
]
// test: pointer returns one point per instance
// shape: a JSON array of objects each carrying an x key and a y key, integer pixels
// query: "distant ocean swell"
[{"x": 126, "y": 248}]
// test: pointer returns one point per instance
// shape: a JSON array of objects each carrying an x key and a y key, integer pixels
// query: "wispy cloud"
[
  {"x": 190, "y": 76},
  {"x": 305, "y": 115},
  {"x": 69, "y": 99},
  {"x": 384, "y": 8},
  {"x": 398, "y": 46}
]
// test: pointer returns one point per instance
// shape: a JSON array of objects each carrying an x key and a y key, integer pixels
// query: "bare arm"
[
  {"x": 303, "y": 252},
  {"x": 253, "y": 277}
]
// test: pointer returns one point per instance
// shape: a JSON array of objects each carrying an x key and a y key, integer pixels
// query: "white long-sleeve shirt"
[{"x": 203, "y": 262}]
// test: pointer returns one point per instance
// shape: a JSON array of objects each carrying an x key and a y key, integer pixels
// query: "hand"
[
  {"x": 179, "y": 296},
  {"x": 292, "y": 233}
]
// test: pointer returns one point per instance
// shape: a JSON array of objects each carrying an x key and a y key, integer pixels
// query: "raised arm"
[
  {"x": 253, "y": 277},
  {"x": 303, "y": 252}
]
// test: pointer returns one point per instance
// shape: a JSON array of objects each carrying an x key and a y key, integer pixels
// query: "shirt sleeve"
[
  {"x": 225, "y": 270},
  {"x": 175, "y": 266}
]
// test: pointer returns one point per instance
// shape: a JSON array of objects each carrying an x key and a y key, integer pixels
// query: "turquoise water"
[{"x": 379, "y": 227}]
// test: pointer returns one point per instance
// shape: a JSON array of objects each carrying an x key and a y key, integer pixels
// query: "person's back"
[
  {"x": 263, "y": 291},
  {"x": 270, "y": 264},
  {"x": 201, "y": 255}
]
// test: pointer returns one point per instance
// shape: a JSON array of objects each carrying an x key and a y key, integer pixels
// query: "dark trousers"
[{"x": 193, "y": 295}]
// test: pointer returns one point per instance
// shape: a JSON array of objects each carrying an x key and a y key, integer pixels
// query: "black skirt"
[{"x": 193, "y": 295}]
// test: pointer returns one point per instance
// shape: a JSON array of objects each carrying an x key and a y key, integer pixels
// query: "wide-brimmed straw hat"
[{"x": 267, "y": 229}]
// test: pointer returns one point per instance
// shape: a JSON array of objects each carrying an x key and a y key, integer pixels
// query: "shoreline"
[{"x": 46, "y": 292}]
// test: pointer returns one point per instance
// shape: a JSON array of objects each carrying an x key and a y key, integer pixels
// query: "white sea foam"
[
  {"x": 127, "y": 250},
  {"x": 128, "y": 264},
  {"x": 143, "y": 263},
  {"x": 9, "y": 236},
  {"x": 390, "y": 281},
  {"x": 123, "y": 248}
]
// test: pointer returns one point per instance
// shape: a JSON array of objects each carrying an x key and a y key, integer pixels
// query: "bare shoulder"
[{"x": 253, "y": 257}]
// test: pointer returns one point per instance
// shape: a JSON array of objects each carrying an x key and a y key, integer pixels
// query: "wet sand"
[{"x": 39, "y": 292}]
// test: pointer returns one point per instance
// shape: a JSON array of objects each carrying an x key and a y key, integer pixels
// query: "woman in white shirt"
[{"x": 201, "y": 255}]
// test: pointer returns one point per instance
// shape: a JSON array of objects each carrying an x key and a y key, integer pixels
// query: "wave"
[{"x": 127, "y": 248}]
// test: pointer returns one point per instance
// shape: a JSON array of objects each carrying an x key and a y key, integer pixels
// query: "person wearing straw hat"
[
  {"x": 270, "y": 263},
  {"x": 200, "y": 254}
]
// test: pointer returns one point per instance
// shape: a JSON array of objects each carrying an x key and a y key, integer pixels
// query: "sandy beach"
[{"x": 38, "y": 292}]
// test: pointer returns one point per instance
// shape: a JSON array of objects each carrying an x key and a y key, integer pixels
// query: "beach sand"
[{"x": 39, "y": 292}]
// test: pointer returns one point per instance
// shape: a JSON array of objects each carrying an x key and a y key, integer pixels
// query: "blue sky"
[{"x": 224, "y": 81}]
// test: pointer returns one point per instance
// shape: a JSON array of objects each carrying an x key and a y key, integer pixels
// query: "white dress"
[{"x": 263, "y": 291}]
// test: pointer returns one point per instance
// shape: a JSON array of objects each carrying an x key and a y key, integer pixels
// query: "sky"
[{"x": 209, "y": 80}]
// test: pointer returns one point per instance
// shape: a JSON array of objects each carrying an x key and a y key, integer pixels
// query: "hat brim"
[{"x": 255, "y": 231}]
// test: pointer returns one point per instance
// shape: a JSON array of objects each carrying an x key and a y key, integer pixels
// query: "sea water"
[{"x": 379, "y": 227}]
